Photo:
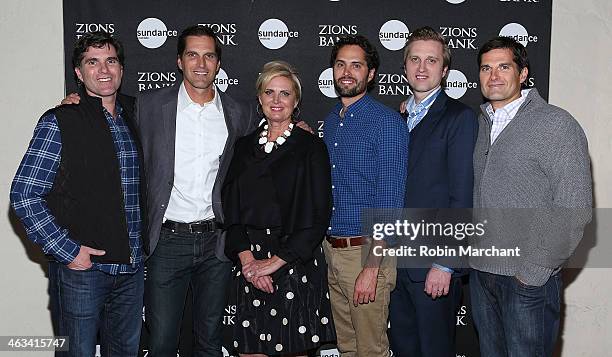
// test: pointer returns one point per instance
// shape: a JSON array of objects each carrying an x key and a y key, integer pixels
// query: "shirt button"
[
  {"x": 351, "y": 115},
  {"x": 341, "y": 124},
  {"x": 333, "y": 166},
  {"x": 333, "y": 186},
  {"x": 335, "y": 144},
  {"x": 329, "y": 227},
  {"x": 333, "y": 208}
]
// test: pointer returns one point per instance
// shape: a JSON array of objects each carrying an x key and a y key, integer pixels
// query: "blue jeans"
[
  {"x": 514, "y": 319},
  {"x": 87, "y": 301},
  {"x": 181, "y": 261}
]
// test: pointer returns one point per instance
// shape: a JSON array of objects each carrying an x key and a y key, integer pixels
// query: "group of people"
[{"x": 191, "y": 182}]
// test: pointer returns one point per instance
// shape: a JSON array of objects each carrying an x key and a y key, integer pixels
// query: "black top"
[
  {"x": 288, "y": 188},
  {"x": 87, "y": 197}
]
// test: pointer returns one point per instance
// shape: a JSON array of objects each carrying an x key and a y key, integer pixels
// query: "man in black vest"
[{"x": 77, "y": 192}]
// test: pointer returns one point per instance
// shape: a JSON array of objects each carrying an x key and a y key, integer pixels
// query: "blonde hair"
[{"x": 274, "y": 69}]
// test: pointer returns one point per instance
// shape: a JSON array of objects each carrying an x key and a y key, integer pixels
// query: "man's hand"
[
  {"x": 83, "y": 260},
  {"x": 72, "y": 98},
  {"x": 302, "y": 124},
  {"x": 437, "y": 283},
  {"x": 365, "y": 286},
  {"x": 403, "y": 106}
]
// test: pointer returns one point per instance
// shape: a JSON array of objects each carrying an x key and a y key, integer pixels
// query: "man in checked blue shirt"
[
  {"x": 368, "y": 149},
  {"x": 77, "y": 192}
]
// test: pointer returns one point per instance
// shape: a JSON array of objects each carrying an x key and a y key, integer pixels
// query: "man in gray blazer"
[{"x": 188, "y": 133}]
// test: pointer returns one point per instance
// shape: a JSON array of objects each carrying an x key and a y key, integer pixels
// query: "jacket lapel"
[
  {"x": 232, "y": 115},
  {"x": 169, "y": 125},
  {"x": 421, "y": 133}
]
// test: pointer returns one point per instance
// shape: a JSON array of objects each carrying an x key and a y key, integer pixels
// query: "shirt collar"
[
  {"x": 118, "y": 110},
  {"x": 363, "y": 102},
  {"x": 185, "y": 101},
  {"x": 511, "y": 108},
  {"x": 425, "y": 103}
]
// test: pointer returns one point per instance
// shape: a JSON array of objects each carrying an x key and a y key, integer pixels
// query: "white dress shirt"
[{"x": 201, "y": 134}]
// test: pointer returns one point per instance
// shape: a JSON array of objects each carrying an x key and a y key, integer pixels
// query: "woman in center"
[{"x": 277, "y": 204}]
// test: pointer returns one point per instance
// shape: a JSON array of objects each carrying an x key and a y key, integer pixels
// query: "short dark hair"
[
  {"x": 371, "y": 53},
  {"x": 519, "y": 53},
  {"x": 96, "y": 39},
  {"x": 197, "y": 30}
]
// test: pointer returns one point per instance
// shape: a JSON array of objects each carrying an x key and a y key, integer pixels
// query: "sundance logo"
[
  {"x": 152, "y": 32},
  {"x": 222, "y": 81},
  {"x": 517, "y": 32},
  {"x": 83, "y": 28},
  {"x": 393, "y": 35},
  {"x": 274, "y": 34},
  {"x": 326, "y": 83},
  {"x": 329, "y": 34},
  {"x": 226, "y": 33},
  {"x": 457, "y": 84}
]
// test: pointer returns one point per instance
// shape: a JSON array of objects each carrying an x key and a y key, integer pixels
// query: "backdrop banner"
[{"x": 302, "y": 33}]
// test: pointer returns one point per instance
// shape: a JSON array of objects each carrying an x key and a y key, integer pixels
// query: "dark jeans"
[
  {"x": 180, "y": 261},
  {"x": 514, "y": 319},
  {"x": 83, "y": 302},
  {"x": 420, "y": 325}
]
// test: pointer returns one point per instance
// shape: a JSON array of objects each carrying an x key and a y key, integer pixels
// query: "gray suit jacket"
[{"x": 156, "y": 125}]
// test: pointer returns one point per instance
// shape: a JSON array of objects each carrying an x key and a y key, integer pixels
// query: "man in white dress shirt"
[{"x": 188, "y": 133}]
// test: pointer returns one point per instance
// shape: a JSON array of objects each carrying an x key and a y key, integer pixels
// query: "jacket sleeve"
[
  {"x": 558, "y": 231},
  {"x": 236, "y": 239},
  {"x": 303, "y": 241}
]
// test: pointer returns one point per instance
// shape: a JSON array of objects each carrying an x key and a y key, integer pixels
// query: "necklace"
[{"x": 268, "y": 145}]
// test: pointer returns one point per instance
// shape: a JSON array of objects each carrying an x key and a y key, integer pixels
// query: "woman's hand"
[
  {"x": 265, "y": 267},
  {"x": 263, "y": 283},
  {"x": 247, "y": 262}
]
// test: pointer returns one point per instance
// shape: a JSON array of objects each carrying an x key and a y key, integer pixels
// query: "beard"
[{"x": 348, "y": 92}]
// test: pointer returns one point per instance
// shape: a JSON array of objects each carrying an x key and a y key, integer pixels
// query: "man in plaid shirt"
[{"x": 77, "y": 192}]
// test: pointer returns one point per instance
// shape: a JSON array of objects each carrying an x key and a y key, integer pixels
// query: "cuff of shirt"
[
  {"x": 64, "y": 250},
  {"x": 443, "y": 268}
]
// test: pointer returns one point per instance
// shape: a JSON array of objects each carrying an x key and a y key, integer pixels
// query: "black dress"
[{"x": 280, "y": 204}]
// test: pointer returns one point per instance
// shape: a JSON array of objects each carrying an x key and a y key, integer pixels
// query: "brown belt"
[{"x": 340, "y": 242}]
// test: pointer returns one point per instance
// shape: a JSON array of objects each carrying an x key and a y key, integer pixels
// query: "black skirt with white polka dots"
[{"x": 296, "y": 317}]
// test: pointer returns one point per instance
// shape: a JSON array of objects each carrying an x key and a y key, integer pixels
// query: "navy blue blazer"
[{"x": 440, "y": 169}]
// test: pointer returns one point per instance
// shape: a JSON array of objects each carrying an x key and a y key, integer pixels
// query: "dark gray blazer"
[{"x": 156, "y": 125}]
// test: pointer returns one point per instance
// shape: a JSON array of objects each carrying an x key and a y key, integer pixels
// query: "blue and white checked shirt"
[
  {"x": 34, "y": 180},
  {"x": 368, "y": 150},
  {"x": 501, "y": 117}
]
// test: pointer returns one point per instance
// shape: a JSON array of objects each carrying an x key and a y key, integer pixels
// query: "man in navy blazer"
[{"x": 440, "y": 175}]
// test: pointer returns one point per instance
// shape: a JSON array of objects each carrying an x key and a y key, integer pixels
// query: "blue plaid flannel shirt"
[{"x": 34, "y": 180}]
